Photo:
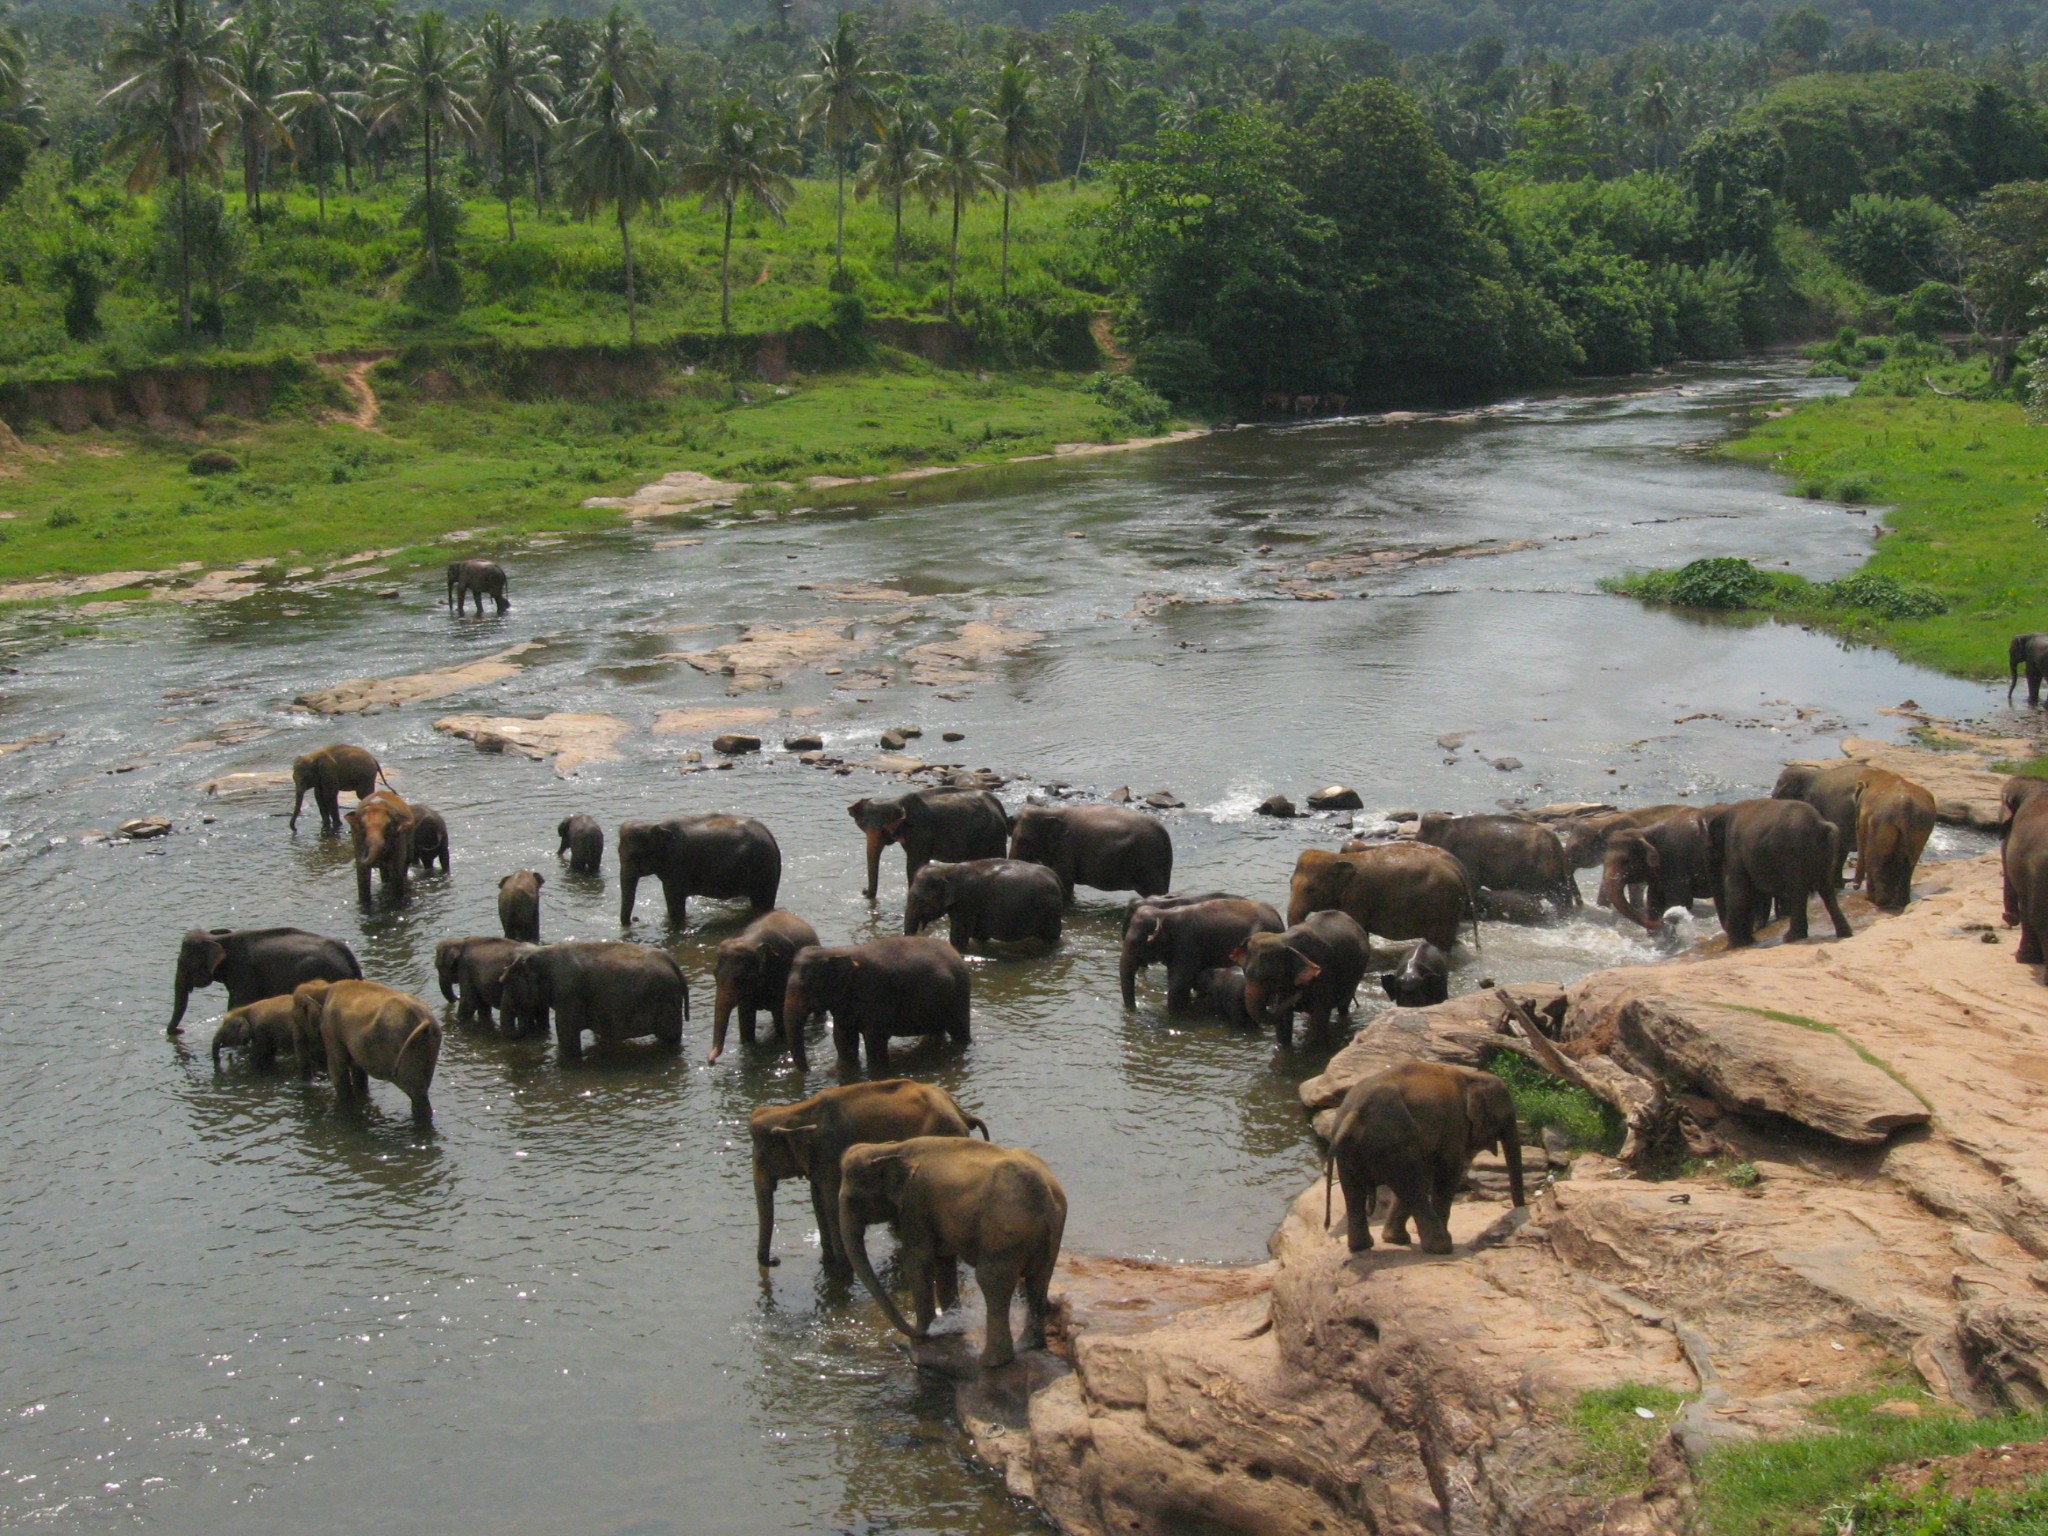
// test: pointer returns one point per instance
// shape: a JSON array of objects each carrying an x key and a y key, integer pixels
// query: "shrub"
[
  {"x": 1885, "y": 596},
  {"x": 1177, "y": 366},
  {"x": 1720, "y": 581},
  {"x": 1927, "y": 311},
  {"x": 1138, "y": 407},
  {"x": 1890, "y": 242},
  {"x": 1542, "y": 1101}
]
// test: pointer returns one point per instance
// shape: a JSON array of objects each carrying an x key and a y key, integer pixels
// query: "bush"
[
  {"x": 1542, "y": 1102},
  {"x": 1138, "y": 407},
  {"x": 1890, "y": 243},
  {"x": 1885, "y": 596},
  {"x": 1721, "y": 581},
  {"x": 1927, "y": 311},
  {"x": 1177, "y": 366}
]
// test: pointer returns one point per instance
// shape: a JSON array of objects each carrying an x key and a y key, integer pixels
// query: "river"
[{"x": 229, "y": 1306}]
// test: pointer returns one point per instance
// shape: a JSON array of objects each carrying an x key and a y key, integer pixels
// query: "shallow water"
[{"x": 230, "y": 1306}]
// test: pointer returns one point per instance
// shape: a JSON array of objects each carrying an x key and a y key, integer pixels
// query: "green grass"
[
  {"x": 1964, "y": 481},
  {"x": 312, "y": 490},
  {"x": 1886, "y": 1511},
  {"x": 1616, "y": 1439},
  {"x": 1781, "y": 1487},
  {"x": 1542, "y": 1101},
  {"x": 2031, "y": 767}
]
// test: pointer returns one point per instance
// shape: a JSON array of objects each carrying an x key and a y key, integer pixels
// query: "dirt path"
[
  {"x": 1116, "y": 359},
  {"x": 352, "y": 370}
]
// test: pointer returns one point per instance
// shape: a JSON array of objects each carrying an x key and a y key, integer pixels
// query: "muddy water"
[{"x": 228, "y": 1306}]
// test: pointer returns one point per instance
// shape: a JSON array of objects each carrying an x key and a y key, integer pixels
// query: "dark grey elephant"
[
  {"x": 614, "y": 990},
  {"x": 2030, "y": 652},
  {"x": 1423, "y": 981},
  {"x": 876, "y": 992},
  {"x": 953, "y": 824},
  {"x": 1313, "y": 968},
  {"x": 583, "y": 841},
  {"x": 479, "y": 579},
  {"x": 987, "y": 901},
  {"x": 473, "y": 971},
  {"x": 255, "y": 963},
  {"x": 1653, "y": 868},
  {"x": 1187, "y": 937},
  {"x": 1505, "y": 853},
  {"x": 519, "y": 905},
  {"x": 327, "y": 771},
  {"x": 726, "y": 857},
  {"x": 752, "y": 973},
  {"x": 1109, "y": 847},
  {"x": 429, "y": 838},
  {"x": 1760, "y": 851},
  {"x": 1833, "y": 789}
]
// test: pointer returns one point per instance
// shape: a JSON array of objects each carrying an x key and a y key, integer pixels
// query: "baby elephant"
[
  {"x": 1414, "y": 1128},
  {"x": 1223, "y": 990},
  {"x": 370, "y": 1030},
  {"x": 265, "y": 1033},
  {"x": 1314, "y": 967},
  {"x": 583, "y": 840},
  {"x": 519, "y": 905},
  {"x": 752, "y": 974},
  {"x": 474, "y": 968},
  {"x": 989, "y": 901},
  {"x": 1423, "y": 980},
  {"x": 478, "y": 579},
  {"x": 429, "y": 839}
]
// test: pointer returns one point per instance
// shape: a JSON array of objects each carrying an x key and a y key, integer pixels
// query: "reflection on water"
[{"x": 231, "y": 1304}]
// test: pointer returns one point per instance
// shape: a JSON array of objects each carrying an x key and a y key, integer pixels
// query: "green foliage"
[
  {"x": 1929, "y": 1511},
  {"x": 1720, "y": 581},
  {"x": 15, "y": 145},
  {"x": 1543, "y": 1102},
  {"x": 1885, "y": 596},
  {"x": 1131, "y": 406},
  {"x": 1177, "y": 366},
  {"x": 1927, "y": 311},
  {"x": 1617, "y": 1428},
  {"x": 1892, "y": 243}
]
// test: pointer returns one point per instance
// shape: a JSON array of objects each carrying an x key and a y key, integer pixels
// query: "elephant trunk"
[
  {"x": 764, "y": 1212},
  {"x": 853, "y": 1233},
  {"x": 1614, "y": 893},
  {"x": 1127, "y": 976},
  {"x": 722, "y": 1004},
  {"x": 1511, "y": 1150},
  {"x": 180, "y": 997},
  {"x": 629, "y": 886},
  {"x": 876, "y": 842}
]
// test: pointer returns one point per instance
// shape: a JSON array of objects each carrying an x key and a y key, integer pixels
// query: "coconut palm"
[
  {"x": 746, "y": 157},
  {"x": 428, "y": 81},
  {"x": 843, "y": 97},
  {"x": 172, "y": 69},
  {"x": 1653, "y": 113},
  {"x": 13, "y": 68},
  {"x": 1020, "y": 142},
  {"x": 515, "y": 79},
  {"x": 259, "y": 107},
  {"x": 892, "y": 163},
  {"x": 611, "y": 160},
  {"x": 320, "y": 109},
  {"x": 1098, "y": 85},
  {"x": 625, "y": 51},
  {"x": 958, "y": 169}
]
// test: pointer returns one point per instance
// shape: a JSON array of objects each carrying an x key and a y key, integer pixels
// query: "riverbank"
[
  {"x": 1817, "y": 1255},
  {"x": 1950, "y": 575},
  {"x": 425, "y": 462}
]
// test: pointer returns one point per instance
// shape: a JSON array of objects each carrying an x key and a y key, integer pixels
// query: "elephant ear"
[
  {"x": 1489, "y": 1110},
  {"x": 207, "y": 944},
  {"x": 1305, "y": 970},
  {"x": 802, "y": 1143},
  {"x": 1237, "y": 955}
]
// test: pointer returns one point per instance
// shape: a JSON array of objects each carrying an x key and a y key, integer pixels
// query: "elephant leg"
[
  {"x": 422, "y": 1110},
  {"x": 1433, "y": 1213},
  {"x": 920, "y": 1266},
  {"x": 825, "y": 1206},
  {"x": 1037, "y": 1297},
  {"x": 329, "y": 802},
  {"x": 1829, "y": 900},
  {"x": 1795, "y": 914},
  {"x": 878, "y": 1052},
  {"x": 1318, "y": 1020},
  {"x": 960, "y": 1028},
  {"x": 340, "y": 1070},
  {"x": 959, "y": 932},
  {"x": 499, "y": 599},
  {"x": 1284, "y": 1030},
  {"x": 569, "y": 1032},
  {"x": 2030, "y": 943},
  {"x": 361, "y": 1081},
  {"x": 845, "y": 1042},
  {"x": 1396, "y": 1229},
  {"x": 747, "y": 1026},
  {"x": 1359, "y": 1190},
  {"x": 998, "y": 1281},
  {"x": 1738, "y": 912},
  {"x": 1180, "y": 981},
  {"x": 677, "y": 900},
  {"x": 946, "y": 1282},
  {"x": 2033, "y": 686}
]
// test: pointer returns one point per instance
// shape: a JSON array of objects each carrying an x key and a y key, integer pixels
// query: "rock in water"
[
  {"x": 735, "y": 743},
  {"x": 1336, "y": 797},
  {"x": 1275, "y": 805},
  {"x": 144, "y": 827},
  {"x": 1164, "y": 800},
  {"x": 803, "y": 743},
  {"x": 894, "y": 741}
]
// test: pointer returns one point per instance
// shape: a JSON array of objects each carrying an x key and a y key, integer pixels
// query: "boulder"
[
  {"x": 893, "y": 741},
  {"x": 143, "y": 827},
  {"x": 1753, "y": 1065},
  {"x": 1336, "y": 797},
  {"x": 952, "y": 736},
  {"x": 735, "y": 743},
  {"x": 805, "y": 742},
  {"x": 1275, "y": 805},
  {"x": 1164, "y": 800},
  {"x": 1121, "y": 795},
  {"x": 1507, "y": 764}
]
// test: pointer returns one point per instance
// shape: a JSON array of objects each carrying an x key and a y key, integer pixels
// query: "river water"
[{"x": 228, "y": 1306}]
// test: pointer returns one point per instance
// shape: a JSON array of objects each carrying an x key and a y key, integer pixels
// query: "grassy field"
[
  {"x": 355, "y": 282},
  {"x": 310, "y": 490},
  {"x": 1962, "y": 482}
]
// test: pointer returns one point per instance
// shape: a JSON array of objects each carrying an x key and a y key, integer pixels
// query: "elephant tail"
[
  {"x": 1329, "y": 1164},
  {"x": 417, "y": 1029},
  {"x": 386, "y": 782},
  {"x": 976, "y": 1123}
]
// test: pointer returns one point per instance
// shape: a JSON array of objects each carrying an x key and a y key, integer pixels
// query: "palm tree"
[
  {"x": 746, "y": 157},
  {"x": 892, "y": 163},
  {"x": 625, "y": 51},
  {"x": 1098, "y": 86},
  {"x": 259, "y": 123},
  {"x": 428, "y": 81},
  {"x": 13, "y": 68},
  {"x": 956, "y": 168},
  {"x": 1020, "y": 141},
  {"x": 611, "y": 160},
  {"x": 515, "y": 78},
  {"x": 843, "y": 96},
  {"x": 175, "y": 70},
  {"x": 321, "y": 109}
]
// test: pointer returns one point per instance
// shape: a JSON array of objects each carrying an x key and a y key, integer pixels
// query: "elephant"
[
  {"x": 1831, "y": 789},
  {"x": 371, "y": 1030},
  {"x": 327, "y": 772},
  {"x": 265, "y": 1032},
  {"x": 806, "y": 1140},
  {"x": 1171, "y": 899},
  {"x": 1587, "y": 838},
  {"x": 474, "y": 968},
  {"x": 874, "y": 991},
  {"x": 1414, "y": 1128},
  {"x": 1314, "y": 967},
  {"x": 1223, "y": 990},
  {"x": 615, "y": 990},
  {"x": 1188, "y": 939},
  {"x": 752, "y": 972},
  {"x": 478, "y": 579},
  {"x": 1505, "y": 853},
  {"x": 952, "y": 1200},
  {"x": 2025, "y": 861},
  {"x": 1652, "y": 869},
  {"x": 519, "y": 905},
  {"x": 1397, "y": 890},
  {"x": 1894, "y": 820},
  {"x": 725, "y": 857},
  {"x": 429, "y": 838},
  {"x": 987, "y": 901},
  {"x": 1107, "y": 846},
  {"x": 2019, "y": 789},
  {"x": 953, "y": 824},
  {"x": 1423, "y": 981},
  {"x": 2031, "y": 652},
  {"x": 583, "y": 840},
  {"x": 255, "y": 963},
  {"x": 1759, "y": 851},
  {"x": 381, "y": 826}
]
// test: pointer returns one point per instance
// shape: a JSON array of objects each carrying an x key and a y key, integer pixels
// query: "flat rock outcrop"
[
  {"x": 570, "y": 739},
  {"x": 360, "y": 695}
]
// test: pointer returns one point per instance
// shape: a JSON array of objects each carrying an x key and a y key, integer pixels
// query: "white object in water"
[{"x": 1676, "y": 930}]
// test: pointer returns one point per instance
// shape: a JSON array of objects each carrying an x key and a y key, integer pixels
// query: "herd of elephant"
[{"x": 903, "y": 1152}]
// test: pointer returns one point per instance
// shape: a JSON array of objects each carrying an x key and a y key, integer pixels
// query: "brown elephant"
[
  {"x": 1504, "y": 853},
  {"x": 429, "y": 838},
  {"x": 884, "y": 989},
  {"x": 327, "y": 771},
  {"x": 370, "y": 1030},
  {"x": 951, "y": 824},
  {"x": 2019, "y": 789},
  {"x": 1313, "y": 968},
  {"x": 1395, "y": 890},
  {"x": 2030, "y": 652},
  {"x": 1761, "y": 851},
  {"x": 951, "y": 1200},
  {"x": 519, "y": 905},
  {"x": 2025, "y": 861},
  {"x": 1831, "y": 789},
  {"x": 1894, "y": 820},
  {"x": 1110, "y": 847},
  {"x": 1413, "y": 1128},
  {"x": 807, "y": 1139},
  {"x": 266, "y": 1033},
  {"x": 1187, "y": 937},
  {"x": 1651, "y": 869},
  {"x": 478, "y": 579},
  {"x": 616, "y": 991},
  {"x": 752, "y": 971},
  {"x": 583, "y": 841},
  {"x": 473, "y": 969},
  {"x": 381, "y": 827},
  {"x": 724, "y": 857},
  {"x": 255, "y": 963},
  {"x": 1586, "y": 838}
]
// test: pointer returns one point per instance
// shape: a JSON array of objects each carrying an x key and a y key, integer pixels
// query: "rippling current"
[{"x": 228, "y": 1306}]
